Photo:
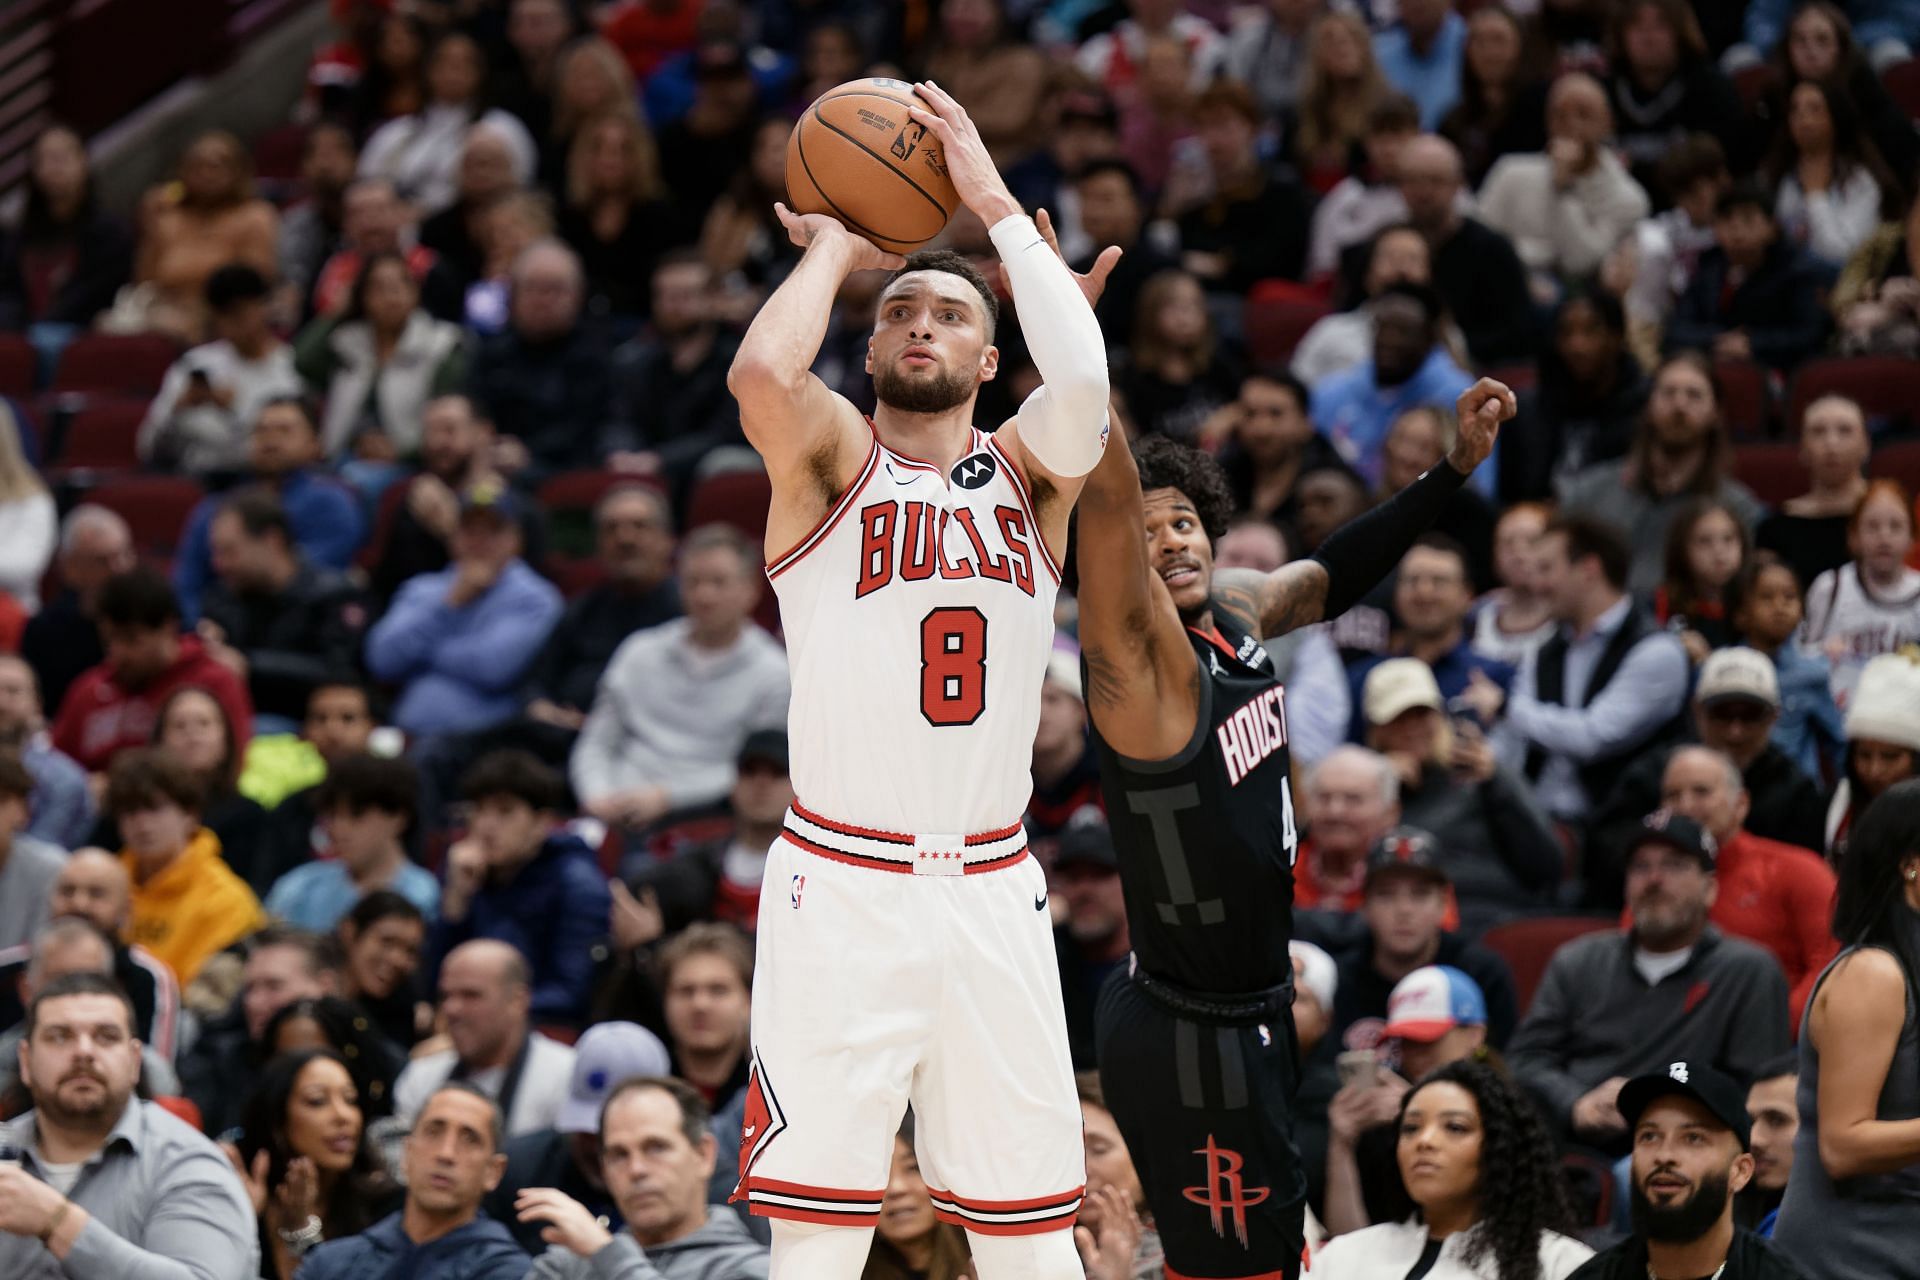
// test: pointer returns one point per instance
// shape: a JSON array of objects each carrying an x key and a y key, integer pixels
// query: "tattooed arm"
[{"x": 1271, "y": 604}]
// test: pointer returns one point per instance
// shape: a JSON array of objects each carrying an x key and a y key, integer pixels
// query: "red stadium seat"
[
  {"x": 1887, "y": 387},
  {"x": 1752, "y": 83},
  {"x": 568, "y": 500},
  {"x": 17, "y": 361},
  {"x": 1527, "y": 946},
  {"x": 1898, "y": 460},
  {"x": 573, "y": 575},
  {"x": 103, "y": 436},
  {"x": 1746, "y": 400},
  {"x": 1772, "y": 469},
  {"x": 1275, "y": 326},
  {"x": 155, "y": 508},
  {"x": 124, "y": 363},
  {"x": 277, "y": 152},
  {"x": 737, "y": 498},
  {"x": 1902, "y": 81}
]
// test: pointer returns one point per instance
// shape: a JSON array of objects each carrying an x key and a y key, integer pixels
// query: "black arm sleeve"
[{"x": 1364, "y": 550}]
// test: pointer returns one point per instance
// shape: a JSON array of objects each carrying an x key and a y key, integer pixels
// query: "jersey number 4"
[{"x": 953, "y": 666}]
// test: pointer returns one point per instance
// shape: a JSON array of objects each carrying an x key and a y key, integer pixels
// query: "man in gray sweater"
[
  {"x": 1624, "y": 1003},
  {"x": 657, "y": 1154}
]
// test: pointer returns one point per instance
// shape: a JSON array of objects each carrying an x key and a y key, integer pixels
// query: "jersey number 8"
[{"x": 953, "y": 666}]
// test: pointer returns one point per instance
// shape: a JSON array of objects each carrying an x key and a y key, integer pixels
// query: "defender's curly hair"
[
  {"x": 1165, "y": 464},
  {"x": 1521, "y": 1190}
]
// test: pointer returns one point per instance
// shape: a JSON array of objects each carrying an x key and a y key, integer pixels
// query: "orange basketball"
[{"x": 857, "y": 155}]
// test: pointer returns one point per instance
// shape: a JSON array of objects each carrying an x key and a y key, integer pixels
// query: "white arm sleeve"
[{"x": 1063, "y": 424}]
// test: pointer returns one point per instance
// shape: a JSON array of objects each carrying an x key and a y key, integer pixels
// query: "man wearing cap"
[
  {"x": 1619, "y": 1003},
  {"x": 458, "y": 641},
  {"x": 1735, "y": 706},
  {"x": 566, "y": 1157},
  {"x": 1093, "y": 940},
  {"x": 1066, "y": 776},
  {"x": 1690, "y": 1155}
]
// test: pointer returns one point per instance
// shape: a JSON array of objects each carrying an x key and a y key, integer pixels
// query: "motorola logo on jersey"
[
  {"x": 973, "y": 471},
  {"x": 1254, "y": 732}
]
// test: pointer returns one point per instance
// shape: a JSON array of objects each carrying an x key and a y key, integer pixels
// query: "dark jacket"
[
  {"x": 1362, "y": 991},
  {"x": 545, "y": 1159},
  {"x": 1750, "y": 1258},
  {"x": 553, "y": 912},
  {"x": 1498, "y": 846},
  {"x": 1561, "y": 428},
  {"x": 101, "y": 261},
  {"x": 292, "y": 640},
  {"x": 1262, "y": 232},
  {"x": 1479, "y": 277},
  {"x": 1594, "y": 1017},
  {"x": 61, "y": 644},
  {"x": 679, "y": 414},
  {"x": 1778, "y": 307},
  {"x": 551, "y": 396},
  {"x": 1698, "y": 100},
  {"x": 481, "y": 1250},
  {"x": 568, "y": 670}
]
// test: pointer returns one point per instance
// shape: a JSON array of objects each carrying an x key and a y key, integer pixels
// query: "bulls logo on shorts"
[
  {"x": 761, "y": 1123},
  {"x": 974, "y": 470}
]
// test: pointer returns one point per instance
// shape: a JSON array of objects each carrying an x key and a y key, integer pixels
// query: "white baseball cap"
[
  {"x": 1738, "y": 674},
  {"x": 1399, "y": 685}
]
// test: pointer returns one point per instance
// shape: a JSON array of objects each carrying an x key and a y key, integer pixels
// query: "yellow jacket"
[{"x": 194, "y": 908}]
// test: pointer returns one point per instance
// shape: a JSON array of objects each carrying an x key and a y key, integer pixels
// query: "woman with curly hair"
[{"x": 1484, "y": 1178}]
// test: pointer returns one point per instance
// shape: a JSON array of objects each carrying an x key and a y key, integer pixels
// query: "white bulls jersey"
[{"x": 919, "y": 620}]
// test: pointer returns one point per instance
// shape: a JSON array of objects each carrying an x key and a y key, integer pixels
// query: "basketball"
[{"x": 857, "y": 156}]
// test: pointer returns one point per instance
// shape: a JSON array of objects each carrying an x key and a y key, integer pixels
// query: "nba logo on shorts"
[{"x": 799, "y": 887}]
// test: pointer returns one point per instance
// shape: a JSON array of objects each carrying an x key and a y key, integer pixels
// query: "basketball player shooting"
[
  {"x": 904, "y": 947},
  {"x": 1195, "y": 1041}
]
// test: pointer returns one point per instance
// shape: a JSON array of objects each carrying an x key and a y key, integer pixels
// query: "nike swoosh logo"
[
  {"x": 1040, "y": 903},
  {"x": 896, "y": 475}
]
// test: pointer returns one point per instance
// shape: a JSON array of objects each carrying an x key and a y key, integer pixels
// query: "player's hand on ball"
[
  {"x": 1481, "y": 409},
  {"x": 971, "y": 168},
  {"x": 805, "y": 228}
]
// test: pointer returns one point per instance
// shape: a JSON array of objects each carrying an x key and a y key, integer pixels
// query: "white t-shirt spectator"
[
  {"x": 1829, "y": 224},
  {"x": 1850, "y": 622}
]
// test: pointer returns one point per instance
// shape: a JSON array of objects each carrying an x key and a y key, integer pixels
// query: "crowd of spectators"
[{"x": 392, "y": 814}]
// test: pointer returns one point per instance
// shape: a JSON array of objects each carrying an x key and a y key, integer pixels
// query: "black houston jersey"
[{"x": 1206, "y": 839}]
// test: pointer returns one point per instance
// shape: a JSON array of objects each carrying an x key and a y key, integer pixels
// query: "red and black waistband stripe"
[
  {"x": 988, "y": 837},
  {"x": 994, "y": 864},
  {"x": 842, "y": 855},
  {"x": 865, "y": 833}
]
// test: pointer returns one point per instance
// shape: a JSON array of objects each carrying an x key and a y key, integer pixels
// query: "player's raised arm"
[{"x": 1357, "y": 555}]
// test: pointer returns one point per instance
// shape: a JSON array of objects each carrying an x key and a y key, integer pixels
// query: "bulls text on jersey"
[
  {"x": 908, "y": 540},
  {"x": 1253, "y": 733}
]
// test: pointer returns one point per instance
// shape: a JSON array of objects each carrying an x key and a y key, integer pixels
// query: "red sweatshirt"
[{"x": 99, "y": 717}]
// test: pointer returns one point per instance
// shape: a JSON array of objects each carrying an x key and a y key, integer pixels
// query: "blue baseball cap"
[{"x": 1431, "y": 1001}]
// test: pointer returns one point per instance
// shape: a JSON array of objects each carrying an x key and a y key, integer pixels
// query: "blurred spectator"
[
  {"x": 615, "y": 214},
  {"x": 566, "y": 1159},
  {"x": 670, "y": 406},
  {"x": 63, "y": 261},
  {"x": 1407, "y": 908},
  {"x": 60, "y": 806},
  {"x": 210, "y": 396},
  {"x": 494, "y": 163},
  {"x": 1478, "y": 1166},
  {"x": 381, "y": 939},
  {"x": 377, "y": 361},
  {"x": 591, "y": 81},
  {"x": 1353, "y": 800},
  {"x": 1342, "y": 339},
  {"x": 283, "y": 455},
  {"x": 1883, "y": 743},
  {"x": 1416, "y": 443},
  {"x": 1767, "y": 613},
  {"x": 1832, "y": 185},
  {"x": 1267, "y": 52},
  {"x": 1177, "y": 372},
  {"x": 289, "y": 623},
  {"x": 330, "y": 1022},
  {"x": 1112, "y": 1215},
  {"x": 1820, "y": 43},
  {"x": 706, "y": 981},
  {"x": 516, "y": 879},
  {"x": 1775, "y": 1116},
  {"x": 1812, "y": 532},
  {"x": 1254, "y": 223},
  {"x": 1664, "y": 86},
  {"x": 1091, "y": 938},
  {"x": 911, "y": 1243},
  {"x": 511, "y": 225},
  {"x": 537, "y": 32},
  {"x": 1512, "y": 621},
  {"x": 367, "y": 804},
  {"x": 1113, "y": 212},
  {"x": 1565, "y": 206},
  {"x": 657, "y": 1155},
  {"x": 27, "y": 525},
  {"x": 1680, "y": 452},
  {"x": 393, "y": 82},
  {"x": 1117, "y": 59},
  {"x": 1755, "y": 296},
  {"x": 193, "y": 730},
  {"x": 1365, "y": 208},
  {"x": 1269, "y": 445},
  {"x": 63, "y": 639},
  {"x": 1849, "y": 1207},
  {"x": 700, "y": 151},
  {"x": 94, "y": 886},
  {"x": 1345, "y": 104},
  {"x": 544, "y": 382},
  {"x": 419, "y": 153},
  {"x": 1870, "y": 605},
  {"x": 1410, "y": 366},
  {"x": 305, "y": 1161},
  {"x": 678, "y": 698},
  {"x": 452, "y": 1159},
  {"x": 1707, "y": 546},
  {"x": 1690, "y": 1138},
  {"x": 1502, "y": 95},
  {"x": 28, "y": 867},
  {"x": 1420, "y": 55},
  {"x": 311, "y": 229},
  {"x": 1877, "y": 298},
  {"x": 459, "y": 641},
  {"x": 1078, "y": 126},
  {"x": 339, "y": 722},
  {"x": 70, "y": 945},
  {"x": 1327, "y": 495},
  {"x": 1502, "y": 856},
  {"x": 1432, "y": 594},
  {"x": 741, "y": 235},
  {"x": 1607, "y": 685},
  {"x": 116, "y": 705},
  {"x": 1653, "y": 269},
  {"x": 991, "y": 72},
  {"x": 375, "y": 220},
  {"x": 1590, "y": 396},
  {"x": 209, "y": 219},
  {"x": 1066, "y": 774},
  {"x": 648, "y": 32},
  {"x": 1618, "y": 1003},
  {"x": 157, "y": 1196},
  {"x": 484, "y": 995},
  {"x": 1157, "y": 133}
]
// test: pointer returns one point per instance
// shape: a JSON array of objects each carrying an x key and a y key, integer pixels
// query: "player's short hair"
[
  {"x": 1165, "y": 464},
  {"x": 957, "y": 264},
  {"x": 708, "y": 938}
]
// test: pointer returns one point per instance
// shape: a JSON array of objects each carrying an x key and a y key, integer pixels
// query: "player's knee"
[
  {"x": 1050, "y": 1255},
  {"x": 813, "y": 1251}
]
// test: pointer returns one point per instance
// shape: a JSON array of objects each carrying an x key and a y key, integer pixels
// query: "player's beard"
[{"x": 921, "y": 395}]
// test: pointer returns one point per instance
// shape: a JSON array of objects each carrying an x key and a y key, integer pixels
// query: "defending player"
[
  {"x": 1196, "y": 1042},
  {"x": 904, "y": 949}
]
